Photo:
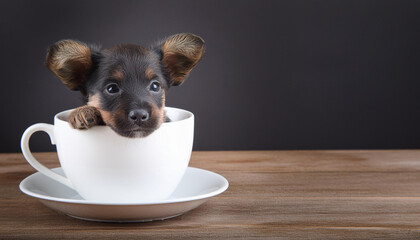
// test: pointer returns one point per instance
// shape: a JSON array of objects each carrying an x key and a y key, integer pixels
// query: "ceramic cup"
[{"x": 103, "y": 166}]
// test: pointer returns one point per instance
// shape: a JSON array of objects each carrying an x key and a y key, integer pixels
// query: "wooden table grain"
[{"x": 272, "y": 194}]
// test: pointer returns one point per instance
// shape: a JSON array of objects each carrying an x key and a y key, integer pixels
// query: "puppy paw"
[{"x": 85, "y": 117}]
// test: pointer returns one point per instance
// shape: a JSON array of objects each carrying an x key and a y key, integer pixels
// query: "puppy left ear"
[
  {"x": 180, "y": 53},
  {"x": 71, "y": 61}
]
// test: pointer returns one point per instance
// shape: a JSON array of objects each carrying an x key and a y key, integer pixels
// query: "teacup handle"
[{"x": 24, "y": 144}]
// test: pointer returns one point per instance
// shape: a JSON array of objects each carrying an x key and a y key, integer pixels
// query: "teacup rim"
[{"x": 190, "y": 115}]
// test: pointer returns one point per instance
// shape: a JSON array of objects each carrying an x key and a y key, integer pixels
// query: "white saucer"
[{"x": 195, "y": 188}]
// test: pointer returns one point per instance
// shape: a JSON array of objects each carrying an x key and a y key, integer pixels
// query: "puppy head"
[{"x": 126, "y": 83}]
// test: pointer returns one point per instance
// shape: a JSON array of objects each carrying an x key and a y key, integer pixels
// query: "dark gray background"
[{"x": 276, "y": 74}]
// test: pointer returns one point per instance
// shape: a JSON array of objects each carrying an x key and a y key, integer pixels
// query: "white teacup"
[{"x": 103, "y": 166}]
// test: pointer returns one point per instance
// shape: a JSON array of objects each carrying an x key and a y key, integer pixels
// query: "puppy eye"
[
  {"x": 112, "y": 88},
  {"x": 155, "y": 86}
]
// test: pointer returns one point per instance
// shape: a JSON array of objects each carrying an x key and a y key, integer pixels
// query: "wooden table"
[{"x": 272, "y": 194}]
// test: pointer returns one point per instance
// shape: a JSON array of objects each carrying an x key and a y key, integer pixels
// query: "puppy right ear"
[
  {"x": 71, "y": 61},
  {"x": 180, "y": 53}
]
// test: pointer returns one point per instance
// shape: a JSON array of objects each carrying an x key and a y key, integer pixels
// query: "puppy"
[{"x": 124, "y": 86}]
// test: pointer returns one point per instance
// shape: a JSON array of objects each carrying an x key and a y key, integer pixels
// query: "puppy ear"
[
  {"x": 180, "y": 53},
  {"x": 71, "y": 61}
]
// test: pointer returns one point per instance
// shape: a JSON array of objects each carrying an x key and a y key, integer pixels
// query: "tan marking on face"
[
  {"x": 118, "y": 75},
  {"x": 107, "y": 117},
  {"x": 150, "y": 74},
  {"x": 163, "y": 99},
  {"x": 160, "y": 113},
  {"x": 95, "y": 101}
]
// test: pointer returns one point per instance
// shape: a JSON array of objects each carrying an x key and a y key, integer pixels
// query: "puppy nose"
[{"x": 138, "y": 115}]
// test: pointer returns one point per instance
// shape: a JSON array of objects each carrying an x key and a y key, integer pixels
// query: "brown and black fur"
[{"x": 124, "y": 86}]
